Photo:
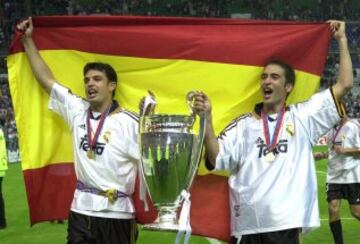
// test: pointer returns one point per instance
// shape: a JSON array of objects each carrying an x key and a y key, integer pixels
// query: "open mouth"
[
  {"x": 267, "y": 91},
  {"x": 91, "y": 93}
]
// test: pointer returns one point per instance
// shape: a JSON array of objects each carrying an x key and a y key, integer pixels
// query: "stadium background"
[{"x": 11, "y": 11}]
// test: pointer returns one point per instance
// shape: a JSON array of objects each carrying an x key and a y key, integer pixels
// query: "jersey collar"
[
  {"x": 257, "y": 110},
  {"x": 114, "y": 106}
]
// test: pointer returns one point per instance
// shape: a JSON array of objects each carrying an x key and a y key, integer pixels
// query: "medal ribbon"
[
  {"x": 336, "y": 133},
  {"x": 92, "y": 141},
  {"x": 280, "y": 117}
]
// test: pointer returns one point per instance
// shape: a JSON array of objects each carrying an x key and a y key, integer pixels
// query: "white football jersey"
[
  {"x": 344, "y": 169},
  {"x": 115, "y": 163},
  {"x": 280, "y": 193}
]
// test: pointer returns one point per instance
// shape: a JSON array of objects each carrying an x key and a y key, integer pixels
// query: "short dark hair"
[
  {"x": 288, "y": 70},
  {"x": 107, "y": 69}
]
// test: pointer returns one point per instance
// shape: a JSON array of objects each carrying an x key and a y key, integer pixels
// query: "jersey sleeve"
[
  {"x": 356, "y": 139},
  {"x": 231, "y": 146},
  {"x": 66, "y": 104},
  {"x": 352, "y": 134},
  {"x": 133, "y": 132},
  {"x": 319, "y": 114}
]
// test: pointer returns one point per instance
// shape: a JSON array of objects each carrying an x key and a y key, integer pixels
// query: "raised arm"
[
  {"x": 202, "y": 104},
  {"x": 345, "y": 77},
  {"x": 40, "y": 69}
]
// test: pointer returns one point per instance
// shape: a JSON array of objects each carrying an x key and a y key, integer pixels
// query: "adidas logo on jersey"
[
  {"x": 260, "y": 140},
  {"x": 281, "y": 147}
]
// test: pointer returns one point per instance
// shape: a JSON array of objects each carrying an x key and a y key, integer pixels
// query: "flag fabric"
[{"x": 169, "y": 56}]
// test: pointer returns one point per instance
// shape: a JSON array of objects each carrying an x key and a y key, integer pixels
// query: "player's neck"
[
  {"x": 344, "y": 120},
  {"x": 101, "y": 107},
  {"x": 273, "y": 108}
]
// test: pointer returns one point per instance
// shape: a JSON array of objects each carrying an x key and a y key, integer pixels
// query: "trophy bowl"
[{"x": 170, "y": 154}]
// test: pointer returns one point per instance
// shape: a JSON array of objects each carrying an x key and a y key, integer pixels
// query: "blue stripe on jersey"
[
  {"x": 132, "y": 115},
  {"x": 233, "y": 124}
]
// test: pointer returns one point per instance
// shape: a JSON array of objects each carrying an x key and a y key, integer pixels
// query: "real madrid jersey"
[
  {"x": 272, "y": 194},
  {"x": 344, "y": 169},
  {"x": 116, "y": 155}
]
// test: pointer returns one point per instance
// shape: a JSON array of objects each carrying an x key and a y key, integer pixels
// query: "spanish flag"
[{"x": 169, "y": 56}]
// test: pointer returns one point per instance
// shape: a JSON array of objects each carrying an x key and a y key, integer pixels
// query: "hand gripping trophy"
[{"x": 170, "y": 147}]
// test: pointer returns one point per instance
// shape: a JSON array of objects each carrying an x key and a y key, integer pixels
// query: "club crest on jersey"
[
  {"x": 290, "y": 130},
  {"x": 281, "y": 147},
  {"x": 107, "y": 136},
  {"x": 84, "y": 145}
]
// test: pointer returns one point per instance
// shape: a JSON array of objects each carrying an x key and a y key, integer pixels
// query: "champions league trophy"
[{"x": 170, "y": 153}]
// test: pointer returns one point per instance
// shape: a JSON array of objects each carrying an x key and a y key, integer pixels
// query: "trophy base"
[
  {"x": 161, "y": 227},
  {"x": 166, "y": 220}
]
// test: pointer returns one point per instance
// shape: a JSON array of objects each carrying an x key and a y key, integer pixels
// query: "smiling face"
[
  {"x": 98, "y": 89},
  {"x": 274, "y": 88}
]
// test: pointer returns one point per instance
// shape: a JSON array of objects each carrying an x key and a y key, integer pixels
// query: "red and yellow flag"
[{"x": 169, "y": 56}]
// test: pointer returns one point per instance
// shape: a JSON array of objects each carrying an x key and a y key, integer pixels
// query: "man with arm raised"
[
  {"x": 105, "y": 150},
  {"x": 273, "y": 188}
]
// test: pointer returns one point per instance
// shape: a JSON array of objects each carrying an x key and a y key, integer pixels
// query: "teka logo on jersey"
[
  {"x": 84, "y": 144},
  {"x": 281, "y": 147}
]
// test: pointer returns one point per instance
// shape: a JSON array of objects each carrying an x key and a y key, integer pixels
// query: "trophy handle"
[
  {"x": 198, "y": 152},
  {"x": 190, "y": 100},
  {"x": 148, "y": 104}
]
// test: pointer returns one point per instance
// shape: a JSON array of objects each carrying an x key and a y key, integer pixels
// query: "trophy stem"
[{"x": 166, "y": 220}]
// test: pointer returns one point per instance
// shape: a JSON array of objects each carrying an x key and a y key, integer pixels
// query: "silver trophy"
[{"x": 170, "y": 147}]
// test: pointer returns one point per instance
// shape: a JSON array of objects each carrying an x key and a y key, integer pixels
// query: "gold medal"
[
  {"x": 269, "y": 157},
  {"x": 92, "y": 140},
  {"x": 90, "y": 154}
]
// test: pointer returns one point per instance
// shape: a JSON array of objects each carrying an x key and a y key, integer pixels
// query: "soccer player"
[
  {"x": 273, "y": 188},
  {"x": 105, "y": 146},
  {"x": 343, "y": 172}
]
